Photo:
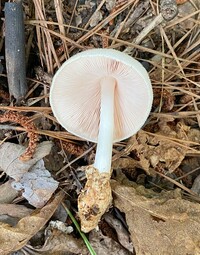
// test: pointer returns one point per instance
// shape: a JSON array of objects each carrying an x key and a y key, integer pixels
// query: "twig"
[
  {"x": 74, "y": 160},
  {"x": 15, "y": 50},
  {"x": 177, "y": 184},
  {"x": 158, "y": 20},
  {"x": 168, "y": 12}
]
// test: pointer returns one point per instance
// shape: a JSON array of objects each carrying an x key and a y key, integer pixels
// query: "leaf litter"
[
  {"x": 14, "y": 238},
  {"x": 151, "y": 218},
  {"x": 159, "y": 223}
]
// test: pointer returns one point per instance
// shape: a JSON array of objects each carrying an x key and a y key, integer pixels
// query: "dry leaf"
[
  {"x": 7, "y": 193},
  {"x": 37, "y": 185},
  {"x": 96, "y": 18},
  {"x": 14, "y": 238},
  {"x": 59, "y": 243},
  {"x": 104, "y": 245},
  {"x": 12, "y": 165},
  {"x": 13, "y": 210},
  {"x": 196, "y": 185},
  {"x": 12, "y": 213},
  {"x": 159, "y": 223},
  {"x": 122, "y": 234}
]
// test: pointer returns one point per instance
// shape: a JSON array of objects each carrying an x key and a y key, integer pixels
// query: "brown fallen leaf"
[
  {"x": 196, "y": 185},
  {"x": 104, "y": 245},
  {"x": 12, "y": 213},
  {"x": 159, "y": 223},
  {"x": 7, "y": 193},
  {"x": 14, "y": 238},
  {"x": 59, "y": 243},
  {"x": 122, "y": 234},
  {"x": 13, "y": 210}
]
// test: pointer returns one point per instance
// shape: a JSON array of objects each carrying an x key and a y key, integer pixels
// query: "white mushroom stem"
[{"x": 106, "y": 126}]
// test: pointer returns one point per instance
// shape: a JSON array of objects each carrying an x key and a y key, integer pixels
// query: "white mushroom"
[{"x": 103, "y": 96}]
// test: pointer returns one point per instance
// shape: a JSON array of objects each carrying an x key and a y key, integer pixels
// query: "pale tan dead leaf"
[
  {"x": 14, "y": 238},
  {"x": 159, "y": 223},
  {"x": 7, "y": 193},
  {"x": 13, "y": 210},
  {"x": 12, "y": 165},
  {"x": 12, "y": 213}
]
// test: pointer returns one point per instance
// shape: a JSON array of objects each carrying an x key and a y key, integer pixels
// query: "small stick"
[
  {"x": 168, "y": 11},
  {"x": 158, "y": 20},
  {"x": 15, "y": 50}
]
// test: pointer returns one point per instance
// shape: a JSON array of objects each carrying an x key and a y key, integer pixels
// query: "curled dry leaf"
[
  {"x": 161, "y": 223},
  {"x": 14, "y": 238},
  {"x": 122, "y": 233},
  {"x": 59, "y": 243},
  {"x": 94, "y": 199},
  {"x": 28, "y": 124},
  {"x": 104, "y": 245}
]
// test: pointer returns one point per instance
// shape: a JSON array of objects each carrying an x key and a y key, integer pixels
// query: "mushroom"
[{"x": 104, "y": 96}]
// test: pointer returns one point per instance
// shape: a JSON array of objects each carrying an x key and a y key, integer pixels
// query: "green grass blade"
[{"x": 87, "y": 243}]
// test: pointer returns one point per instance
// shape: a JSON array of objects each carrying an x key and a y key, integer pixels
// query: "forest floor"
[{"x": 156, "y": 174}]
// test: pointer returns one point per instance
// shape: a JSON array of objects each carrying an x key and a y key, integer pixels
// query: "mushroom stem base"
[{"x": 94, "y": 199}]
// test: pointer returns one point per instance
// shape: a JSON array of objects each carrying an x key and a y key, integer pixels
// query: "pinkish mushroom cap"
[{"x": 75, "y": 94}]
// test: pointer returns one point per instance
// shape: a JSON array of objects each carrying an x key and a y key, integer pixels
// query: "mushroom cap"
[{"x": 75, "y": 93}]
